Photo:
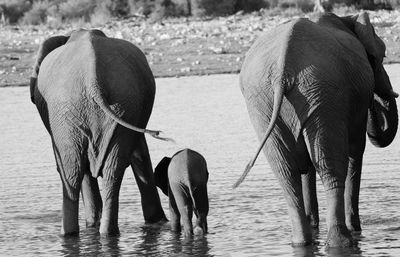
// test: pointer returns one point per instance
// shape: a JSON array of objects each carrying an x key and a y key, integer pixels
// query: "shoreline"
[
  {"x": 177, "y": 47},
  {"x": 390, "y": 67}
]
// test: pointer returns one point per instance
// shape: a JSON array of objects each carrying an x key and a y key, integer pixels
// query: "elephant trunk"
[
  {"x": 382, "y": 114},
  {"x": 382, "y": 121}
]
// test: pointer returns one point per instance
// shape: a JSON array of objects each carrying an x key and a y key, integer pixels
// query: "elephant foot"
[
  {"x": 354, "y": 226},
  {"x": 175, "y": 226},
  {"x": 70, "y": 234},
  {"x": 302, "y": 237},
  {"x": 301, "y": 243},
  {"x": 187, "y": 233},
  {"x": 198, "y": 231},
  {"x": 298, "y": 241},
  {"x": 92, "y": 223},
  {"x": 108, "y": 228},
  {"x": 156, "y": 217},
  {"x": 339, "y": 236},
  {"x": 69, "y": 228},
  {"x": 314, "y": 222}
]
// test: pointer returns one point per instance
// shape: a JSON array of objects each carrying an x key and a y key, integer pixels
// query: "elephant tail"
[
  {"x": 106, "y": 108},
  {"x": 278, "y": 98}
]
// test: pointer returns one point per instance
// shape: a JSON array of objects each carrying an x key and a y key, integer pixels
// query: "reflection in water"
[
  {"x": 110, "y": 246},
  {"x": 149, "y": 240},
  {"x": 71, "y": 246},
  {"x": 197, "y": 246}
]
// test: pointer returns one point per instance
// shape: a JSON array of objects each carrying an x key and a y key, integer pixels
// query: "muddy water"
[{"x": 206, "y": 114}]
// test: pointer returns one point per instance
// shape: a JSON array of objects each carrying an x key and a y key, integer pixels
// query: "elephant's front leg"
[
  {"x": 352, "y": 190},
  {"x": 310, "y": 197},
  {"x": 91, "y": 200},
  {"x": 143, "y": 171}
]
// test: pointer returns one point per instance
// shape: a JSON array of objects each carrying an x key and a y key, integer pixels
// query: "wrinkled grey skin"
[
  {"x": 183, "y": 178},
  {"x": 311, "y": 88},
  {"x": 95, "y": 95}
]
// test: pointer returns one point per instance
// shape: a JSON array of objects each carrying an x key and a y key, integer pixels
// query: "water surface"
[{"x": 206, "y": 114}]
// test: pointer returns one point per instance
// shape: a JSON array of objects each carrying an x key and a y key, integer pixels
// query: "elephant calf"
[{"x": 183, "y": 178}]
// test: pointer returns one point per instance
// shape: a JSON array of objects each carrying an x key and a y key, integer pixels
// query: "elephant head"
[
  {"x": 161, "y": 174},
  {"x": 382, "y": 114}
]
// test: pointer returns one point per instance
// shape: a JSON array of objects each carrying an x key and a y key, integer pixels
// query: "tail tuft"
[
  {"x": 243, "y": 176},
  {"x": 156, "y": 134}
]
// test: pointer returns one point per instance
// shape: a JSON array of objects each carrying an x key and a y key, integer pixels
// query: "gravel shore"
[{"x": 175, "y": 47}]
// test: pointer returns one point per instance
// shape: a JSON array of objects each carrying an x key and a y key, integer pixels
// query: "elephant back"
[{"x": 188, "y": 167}]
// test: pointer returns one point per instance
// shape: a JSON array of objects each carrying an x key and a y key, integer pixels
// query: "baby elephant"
[{"x": 183, "y": 178}]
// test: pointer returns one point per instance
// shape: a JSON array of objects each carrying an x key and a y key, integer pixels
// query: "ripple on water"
[{"x": 251, "y": 220}]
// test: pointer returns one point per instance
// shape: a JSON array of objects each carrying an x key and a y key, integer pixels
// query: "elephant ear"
[
  {"x": 161, "y": 174},
  {"x": 382, "y": 121},
  {"x": 375, "y": 49},
  {"x": 382, "y": 114},
  {"x": 45, "y": 48},
  {"x": 366, "y": 34}
]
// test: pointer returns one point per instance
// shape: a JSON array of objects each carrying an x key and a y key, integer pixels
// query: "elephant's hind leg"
[
  {"x": 143, "y": 172},
  {"x": 201, "y": 204},
  {"x": 310, "y": 197},
  {"x": 285, "y": 169},
  {"x": 328, "y": 148},
  {"x": 91, "y": 200},
  {"x": 175, "y": 216},
  {"x": 69, "y": 165},
  {"x": 185, "y": 206},
  {"x": 113, "y": 173}
]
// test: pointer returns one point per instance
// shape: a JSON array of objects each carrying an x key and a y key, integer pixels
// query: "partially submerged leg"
[
  {"x": 201, "y": 204},
  {"x": 184, "y": 203},
  {"x": 328, "y": 148},
  {"x": 91, "y": 200},
  {"x": 117, "y": 159},
  {"x": 353, "y": 180},
  {"x": 285, "y": 169},
  {"x": 143, "y": 171},
  {"x": 69, "y": 166},
  {"x": 112, "y": 179},
  {"x": 175, "y": 217},
  {"x": 310, "y": 197}
]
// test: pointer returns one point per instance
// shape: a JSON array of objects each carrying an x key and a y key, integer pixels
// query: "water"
[{"x": 206, "y": 114}]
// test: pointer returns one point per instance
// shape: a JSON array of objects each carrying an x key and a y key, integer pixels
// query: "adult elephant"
[
  {"x": 310, "y": 89},
  {"x": 95, "y": 95}
]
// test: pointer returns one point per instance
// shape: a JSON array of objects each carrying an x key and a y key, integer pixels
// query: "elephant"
[
  {"x": 183, "y": 178},
  {"x": 313, "y": 90},
  {"x": 95, "y": 95}
]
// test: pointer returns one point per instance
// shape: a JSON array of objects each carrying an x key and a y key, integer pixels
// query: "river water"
[{"x": 208, "y": 115}]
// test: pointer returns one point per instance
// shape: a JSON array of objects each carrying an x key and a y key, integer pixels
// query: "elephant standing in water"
[
  {"x": 311, "y": 88},
  {"x": 183, "y": 178},
  {"x": 95, "y": 95}
]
